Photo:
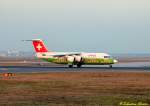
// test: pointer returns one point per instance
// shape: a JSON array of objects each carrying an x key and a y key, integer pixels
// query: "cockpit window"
[{"x": 106, "y": 56}]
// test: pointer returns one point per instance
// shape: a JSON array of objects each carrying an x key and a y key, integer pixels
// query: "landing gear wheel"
[
  {"x": 79, "y": 65},
  {"x": 70, "y": 66},
  {"x": 110, "y": 66}
]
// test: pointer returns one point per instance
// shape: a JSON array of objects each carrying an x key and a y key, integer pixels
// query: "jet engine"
[
  {"x": 70, "y": 59},
  {"x": 78, "y": 58}
]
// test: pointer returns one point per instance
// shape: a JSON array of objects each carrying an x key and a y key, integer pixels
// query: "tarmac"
[
  {"x": 129, "y": 67},
  {"x": 33, "y": 83}
]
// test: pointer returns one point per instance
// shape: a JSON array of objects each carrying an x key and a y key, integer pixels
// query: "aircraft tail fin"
[{"x": 39, "y": 45}]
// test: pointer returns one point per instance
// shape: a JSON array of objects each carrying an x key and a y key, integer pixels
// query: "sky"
[{"x": 113, "y": 26}]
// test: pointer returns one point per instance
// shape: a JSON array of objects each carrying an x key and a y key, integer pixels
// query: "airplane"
[{"x": 71, "y": 58}]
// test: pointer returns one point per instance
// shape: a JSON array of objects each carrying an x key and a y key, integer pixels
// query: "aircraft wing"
[{"x": 65, "y": 54}]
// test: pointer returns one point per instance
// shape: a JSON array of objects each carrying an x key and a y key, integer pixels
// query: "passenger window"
[
  {"x": 106, "y": 56},
  {"x": 43, "y": 54}
]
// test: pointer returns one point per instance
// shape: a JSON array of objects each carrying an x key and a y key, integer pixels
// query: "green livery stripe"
[
  {"x": 57, "y": 60},
  {"x": 84, "y": 61},
  {"x": 97, "y": 61}
]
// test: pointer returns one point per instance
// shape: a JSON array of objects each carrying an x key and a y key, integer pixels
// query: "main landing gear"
[
  {"x": 110, "y": 66},
  {"x": 70, "y": 66},
  {"x": 78, "y": 66}
]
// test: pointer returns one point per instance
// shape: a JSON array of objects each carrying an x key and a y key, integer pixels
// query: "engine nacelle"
[
  {"x": 78, "y": 58},
  {"x": 70, "y": 59}
]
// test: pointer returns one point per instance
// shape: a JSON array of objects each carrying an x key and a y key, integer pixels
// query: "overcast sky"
[{"x": 114, "y": 26}]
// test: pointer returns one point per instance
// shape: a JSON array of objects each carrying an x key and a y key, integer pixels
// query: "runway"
[{"x": 129, "y": 67}]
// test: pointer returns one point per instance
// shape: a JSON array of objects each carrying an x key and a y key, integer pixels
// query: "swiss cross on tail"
[{"x": 39, "y": 46}]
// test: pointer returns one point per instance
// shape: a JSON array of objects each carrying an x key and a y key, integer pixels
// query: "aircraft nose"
[{"x": 115, "y": 61}]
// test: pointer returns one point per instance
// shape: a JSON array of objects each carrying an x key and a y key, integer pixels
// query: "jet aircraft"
[{"x": 71, "y": 58}]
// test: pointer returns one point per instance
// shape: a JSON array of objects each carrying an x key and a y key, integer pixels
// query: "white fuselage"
[{"x": 82, "y": 54}]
